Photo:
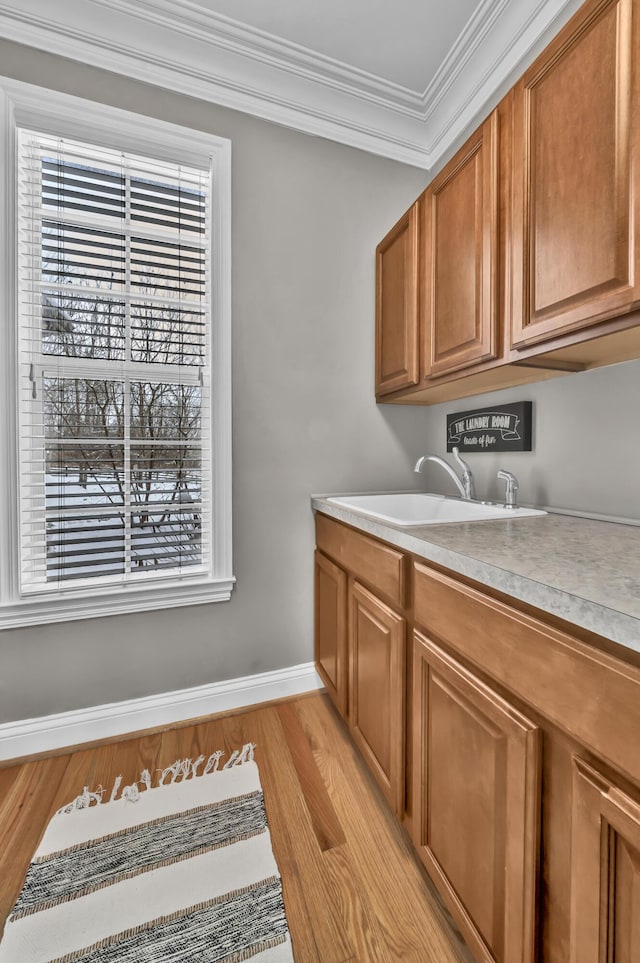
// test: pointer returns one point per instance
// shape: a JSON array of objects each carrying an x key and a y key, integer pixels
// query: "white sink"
[{"x": 416, "y": 508}]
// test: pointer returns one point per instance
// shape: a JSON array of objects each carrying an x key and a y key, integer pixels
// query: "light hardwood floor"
[{"x": 353, "y": 889}]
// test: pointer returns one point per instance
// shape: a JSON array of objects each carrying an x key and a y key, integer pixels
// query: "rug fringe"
[{"x": 180, "y": 770}]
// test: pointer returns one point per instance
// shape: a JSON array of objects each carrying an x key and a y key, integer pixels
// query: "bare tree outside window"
[{"x": 123, "y": 454}]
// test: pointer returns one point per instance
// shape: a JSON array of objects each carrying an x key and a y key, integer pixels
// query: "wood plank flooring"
[{"x": 353, "y": 889}]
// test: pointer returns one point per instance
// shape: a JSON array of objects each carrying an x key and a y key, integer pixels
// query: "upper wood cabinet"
[
  {"x": 521, "y": 260},
  {"x": 397, "y": 271},
  {"x": 576, "y": 178},
  {"x": 460, "y": 257}
]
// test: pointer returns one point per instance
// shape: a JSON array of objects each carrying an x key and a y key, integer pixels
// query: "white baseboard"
[{"x": 28, "y": 737}]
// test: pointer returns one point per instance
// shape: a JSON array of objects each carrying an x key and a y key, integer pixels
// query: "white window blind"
[{"x": 114, "y": 367}]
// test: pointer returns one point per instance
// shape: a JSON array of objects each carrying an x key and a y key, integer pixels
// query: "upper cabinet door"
[
  {"x": 576, "y": 190},
  {"x": 397, "y": 272},
  {"x": 461, "y": 257}
]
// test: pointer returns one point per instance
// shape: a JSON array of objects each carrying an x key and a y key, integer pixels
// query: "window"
[{"x": 116, "y": 493}]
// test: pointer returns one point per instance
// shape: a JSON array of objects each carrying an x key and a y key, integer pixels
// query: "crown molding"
[
  {"x": 194, "y": 21},
  {"x": 476, "y": 31},
  {"x": 499, "y": 42},
  {"x": 115, "y": 37},
  {"x": 179, "y": 45}
]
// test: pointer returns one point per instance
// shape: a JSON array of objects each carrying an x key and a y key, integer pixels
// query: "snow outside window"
[{"x": 115, "y": 385}]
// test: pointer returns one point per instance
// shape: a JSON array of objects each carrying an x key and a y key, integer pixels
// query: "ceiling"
[
  {"x": 403, "y": 42},
  {"x": 405, "y": 79}
]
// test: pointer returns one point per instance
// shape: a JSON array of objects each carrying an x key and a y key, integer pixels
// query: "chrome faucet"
[
  {"x": 465, "y": 485},
  {"x": 512, "y": 487}
]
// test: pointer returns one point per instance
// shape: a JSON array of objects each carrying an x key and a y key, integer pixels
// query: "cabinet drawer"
[
  {"x": 591, "y": 695},
  {"x": 377, "y": 565}
]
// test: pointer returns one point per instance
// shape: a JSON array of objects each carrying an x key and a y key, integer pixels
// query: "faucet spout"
[
  {"x": 421, "y": 462},
  {"x": 467, "y": 476}
]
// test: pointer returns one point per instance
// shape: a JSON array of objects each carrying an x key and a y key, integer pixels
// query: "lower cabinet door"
[
  {"x": 476, "y": 798},
  {"x": 377, "y": 688},
  {"x": 331, "y": 629},
  {"x": 605, "y": 870}
]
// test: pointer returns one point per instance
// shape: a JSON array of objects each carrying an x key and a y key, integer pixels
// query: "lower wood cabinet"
[
  {"x": 376, "y": 689},
  {"x": 605, "y": 870},
  {"x": 331, "y": 629},
  {"x": 360, "y": 646},
  {"x": 506, "y": 741},
  {"x": 476, "y": 775}
]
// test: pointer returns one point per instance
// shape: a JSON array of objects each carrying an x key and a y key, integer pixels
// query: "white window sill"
[{"x": 122, "y": 601}]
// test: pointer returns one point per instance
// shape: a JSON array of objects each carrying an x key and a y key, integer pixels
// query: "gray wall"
[
  {"x": 586, "y": 443},
  {"x": 306, "y": 217},
  {"x": 307, "y": 214}
]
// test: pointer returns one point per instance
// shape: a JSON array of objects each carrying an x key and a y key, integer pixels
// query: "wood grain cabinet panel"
[
  {"x": 502, "y": 756},
  {"x": 397, "y": 275},
  {"x": 331, "y": 629},
  {"x": 476, "y": 782},
  {"x": 605, "y": 870},
  {"x": 381, "y": 567},
  {"x": 377, "y": 688},
  {"x": 553, "y": 670},
  {"x": 576, "y": 238},
  {"x": 460, "y": 256}
]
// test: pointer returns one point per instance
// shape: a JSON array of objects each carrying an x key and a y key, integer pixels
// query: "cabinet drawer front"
[
  {"x": 562, "y": 677},
  {"x": 378, "y": 565}
]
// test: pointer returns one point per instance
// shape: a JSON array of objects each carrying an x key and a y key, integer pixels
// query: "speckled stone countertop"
[{"x": 584, "y": 571}]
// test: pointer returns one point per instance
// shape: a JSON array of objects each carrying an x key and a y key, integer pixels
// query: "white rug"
[{"x": 180, "y": 872}]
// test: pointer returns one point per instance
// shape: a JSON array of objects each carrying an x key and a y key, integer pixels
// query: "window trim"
[{"x": 25, "y": 105}]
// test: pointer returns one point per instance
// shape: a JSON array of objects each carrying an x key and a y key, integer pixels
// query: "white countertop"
[{"x": 584, "y": 571}]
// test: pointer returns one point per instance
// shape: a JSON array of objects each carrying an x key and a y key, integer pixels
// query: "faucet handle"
[
  {"x": 467, "y": 475},
  {"x": 512, "y": 487}
]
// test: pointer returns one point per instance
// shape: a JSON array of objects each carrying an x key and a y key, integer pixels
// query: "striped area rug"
[{"x": 180, "y": 872}]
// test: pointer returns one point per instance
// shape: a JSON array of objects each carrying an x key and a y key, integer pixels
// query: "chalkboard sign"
[{"x": 496, "y": 428}]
